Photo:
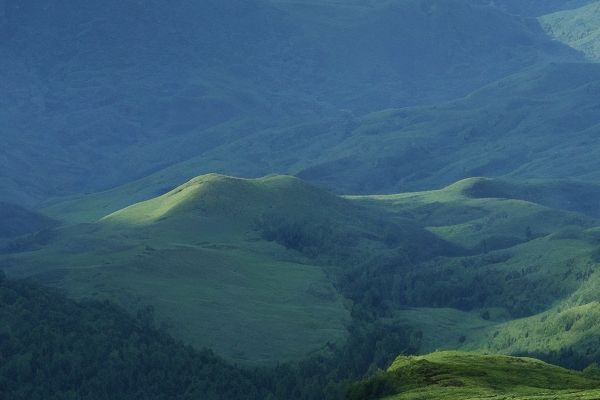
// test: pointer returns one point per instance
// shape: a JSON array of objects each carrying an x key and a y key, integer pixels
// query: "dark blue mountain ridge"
[{"x": 97, "y": 94}]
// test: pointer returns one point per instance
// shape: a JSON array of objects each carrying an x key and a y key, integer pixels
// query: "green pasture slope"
[
  {"x": 269, "y": 269},
  {"x": 528, "y": 284},
  {"x": 471, "y": 376},
  {"x": 245, "y": 267},
  {"x": 195, "y": 255}
]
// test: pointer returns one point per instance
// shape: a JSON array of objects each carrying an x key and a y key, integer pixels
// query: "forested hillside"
[{"x": 54, "y": 348}]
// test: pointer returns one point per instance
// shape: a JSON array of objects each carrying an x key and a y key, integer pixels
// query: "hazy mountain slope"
[
  {"x": 470, "y": 376},
  {"x": 535, "y": 7},
  {"x": 541, "y": 124},
  {"x": 91, "y": 91},
  {"x": 86, "y": 106},
  {"x": 16, "y": 221},
  {"x": 579, "y": 28}
]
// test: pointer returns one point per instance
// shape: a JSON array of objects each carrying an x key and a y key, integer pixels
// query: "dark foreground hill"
[{"x": 54, "y": 349}]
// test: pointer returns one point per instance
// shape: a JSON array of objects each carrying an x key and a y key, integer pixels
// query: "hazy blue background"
[{"x": 94, "y": 95}]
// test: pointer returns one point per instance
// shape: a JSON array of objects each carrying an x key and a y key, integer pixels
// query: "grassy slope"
[
  {"x": 456, "y": 375},
  {"x": 204, "y": 267},
  {"x": 528, "y": 260},
  {"x": 524, "y": 281},
  {"x": 220, "y": 255},
  {"x": 578, "y": 28}
]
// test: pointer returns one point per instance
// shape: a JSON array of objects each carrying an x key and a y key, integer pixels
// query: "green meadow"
[
  {"x": 501, "y": 266},
  {"x": 470, "y": 376},
  {"x": 211, "y": 278}
]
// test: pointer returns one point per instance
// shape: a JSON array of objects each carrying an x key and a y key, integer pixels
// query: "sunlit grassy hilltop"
[
  {"x": 197, "y": 257},
  {"x": 470, "y": 376},
  {"x": 248, "y": 267},
  {"x": 500, "y": 265}
]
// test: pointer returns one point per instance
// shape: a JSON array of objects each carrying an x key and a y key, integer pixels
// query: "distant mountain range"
[{"x": 95, "y": 95}]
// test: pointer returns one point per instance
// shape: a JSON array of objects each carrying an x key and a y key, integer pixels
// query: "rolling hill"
[
  {"x": 203, "y": 266},
  {"x": 482, "y": 257},
  {"x": 528, "y": 285},
  {"x": 470, "y": 376},
  {"x": 219, "y": 256}
]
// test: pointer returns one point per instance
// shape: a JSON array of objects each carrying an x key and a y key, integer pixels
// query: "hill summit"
[
  {"x": 220, "y": 195},
  {"x": 469, "y": 376}
]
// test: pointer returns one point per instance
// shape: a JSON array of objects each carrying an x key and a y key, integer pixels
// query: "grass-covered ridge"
[
  {"x": 219, "y": 195},
  {"x": 220, "y": 255},
  {"x": 529, "y": 284},
  {"x": 491, "y": 264},
  {"x": 470, "y": 376}
]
